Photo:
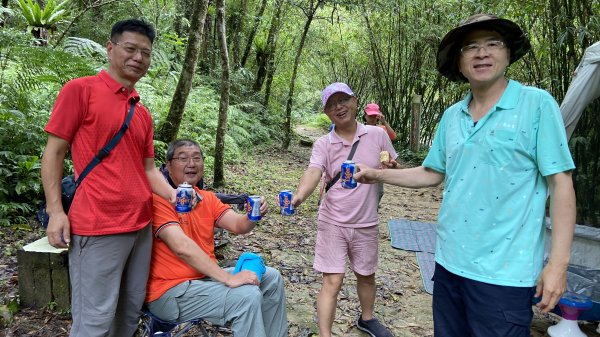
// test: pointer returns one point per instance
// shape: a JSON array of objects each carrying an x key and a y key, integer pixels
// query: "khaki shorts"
[{"x": 335, "y": 244}]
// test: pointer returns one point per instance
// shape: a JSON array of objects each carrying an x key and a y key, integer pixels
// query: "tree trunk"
[
  {"x": 269, "y": 64},
  {"x": 262, "y": 57},
  {"x": 219, "y": 177},
  {"x": 207, "y": 61},
  {"x": 236, "y": 29},
  {"x": 287, "y": 127},
  {"x": 257, "y": 21},
  {"x": 170, "y": 126}
]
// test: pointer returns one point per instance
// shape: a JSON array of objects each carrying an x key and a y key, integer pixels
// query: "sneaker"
[{"x": 373, "y": 327}]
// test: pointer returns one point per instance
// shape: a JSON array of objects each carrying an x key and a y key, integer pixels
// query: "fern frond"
[{"x": 86, "y": 48}]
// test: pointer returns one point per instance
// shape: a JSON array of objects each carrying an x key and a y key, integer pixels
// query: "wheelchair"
[{"x": 152, "y": 326}]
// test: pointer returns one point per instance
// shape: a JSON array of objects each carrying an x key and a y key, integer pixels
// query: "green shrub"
[
  {"x": 30, "y": 78},
  {"x": 411, "y": 158},
  {"x": 320, "y": 121}
]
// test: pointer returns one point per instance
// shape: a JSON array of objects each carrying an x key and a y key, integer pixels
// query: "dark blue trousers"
[{"x": 468, "y": 308}]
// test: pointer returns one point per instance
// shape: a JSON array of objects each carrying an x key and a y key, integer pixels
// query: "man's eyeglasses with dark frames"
[
  {"x": 132, "y": 50},
  {"x": 491, "y": 46},
  {"x": 186, "y": 160},
  {"x": 333, "y": 104}
]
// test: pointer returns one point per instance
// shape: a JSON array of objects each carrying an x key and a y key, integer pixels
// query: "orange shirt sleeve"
[{"x": 390, "y": 133}]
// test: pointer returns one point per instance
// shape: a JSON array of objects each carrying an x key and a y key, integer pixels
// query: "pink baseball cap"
[
  {"x": 372, "y": 109},
  {"x": 335, "y": 88}
]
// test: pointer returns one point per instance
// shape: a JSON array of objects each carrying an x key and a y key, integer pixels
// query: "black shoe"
[{"x": 373, "y": 327}]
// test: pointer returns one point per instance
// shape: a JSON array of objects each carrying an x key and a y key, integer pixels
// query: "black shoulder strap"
[
  {"x": 337, "y": 176},
  {"x": 108, "y": 147}
]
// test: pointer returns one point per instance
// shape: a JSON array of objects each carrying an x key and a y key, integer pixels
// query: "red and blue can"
[
  {"x": 285, "y": 202},
  {"x": 253, "y": 208},
  {"x": 183, "y": 203},
  {"x": 347, "y": 174}
]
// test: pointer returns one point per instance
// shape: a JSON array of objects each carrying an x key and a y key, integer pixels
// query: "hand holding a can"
[
  {"x": 257, "y": 207},
  {"x": 264, "y": 207},
  {"x": 296, "y": 200},
  {"x": 367, "y": 175}
]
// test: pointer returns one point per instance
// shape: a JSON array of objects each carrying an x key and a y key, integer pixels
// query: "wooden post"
[
  {"x": 43, "y": 276},
  {"x": 415, "y": 123}
]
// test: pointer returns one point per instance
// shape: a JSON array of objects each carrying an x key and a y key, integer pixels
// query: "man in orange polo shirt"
[
  {"x": 185, "y": 280},
  {"x": 107, "y": 229}
]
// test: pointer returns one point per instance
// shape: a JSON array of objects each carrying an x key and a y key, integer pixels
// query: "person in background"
[
  {"x": 347, "y": 221},
  {"x": 185, "y": 280},
  {"x": 373, "y": 116},
  {"x": 108, "y": 228},
  {"x": 499, "y": 152}
]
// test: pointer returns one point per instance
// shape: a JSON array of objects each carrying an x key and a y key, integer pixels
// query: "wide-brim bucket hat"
[{"x": 449, "y": 48}]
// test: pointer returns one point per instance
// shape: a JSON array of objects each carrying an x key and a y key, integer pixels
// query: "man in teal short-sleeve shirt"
[{"x": 500, "y": 152}]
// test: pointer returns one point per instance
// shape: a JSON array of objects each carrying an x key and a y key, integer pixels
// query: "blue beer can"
[
  {"x": 285, "y": 202},
  {"x": 183, "y": 203},
  {"x": 253, "y": 208},
  {"x": 347, "y": 174}
]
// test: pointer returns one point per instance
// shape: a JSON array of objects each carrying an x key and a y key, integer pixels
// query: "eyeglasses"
[
  {"x": 489, "y": 46},
  {"x": 185, "y": 160},
  {"x": 331, "y": 104},
  {"x": 132, "y": 50}
]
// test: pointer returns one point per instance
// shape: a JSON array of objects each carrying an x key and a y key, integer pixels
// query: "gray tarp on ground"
[
  {"x": 584, "y": 88},
  {"x": 583, "y": 276}
]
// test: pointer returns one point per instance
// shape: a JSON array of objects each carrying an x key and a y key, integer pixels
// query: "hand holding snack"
[
  {"x": 384, "y": 157},
  {"x": 386, "y": 161}
]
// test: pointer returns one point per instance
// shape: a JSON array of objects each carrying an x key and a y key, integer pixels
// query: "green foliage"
[
  {"x": 384, "y": 49},
  {"x": 320, "y": 121},
  {"x": 5, "y": 13},
  {"x": 48, "y": 17},
  {"x": 30, "y": 77},
  {"x": 411, "y": 158},
  {"x": 85, "y": 48},
  {"x": 160, "y": 152},
  {"x": 13, "y": 306},
  {"x": 19, "y": 165}
]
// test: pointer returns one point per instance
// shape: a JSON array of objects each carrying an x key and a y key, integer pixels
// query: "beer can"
[
  {"x": 285, "y": 202},
  {"x": 253, "y": 208},
  {"x": 347, "y": 174},
  {"x": 183, "y": 203}
]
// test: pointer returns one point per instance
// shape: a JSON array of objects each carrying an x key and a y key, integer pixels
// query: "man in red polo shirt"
[{"x": 107, "y": 229}]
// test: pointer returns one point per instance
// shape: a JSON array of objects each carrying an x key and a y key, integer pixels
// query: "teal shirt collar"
[{"x": 509, "y": 99}]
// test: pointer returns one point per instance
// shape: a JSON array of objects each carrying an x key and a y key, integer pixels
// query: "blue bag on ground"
[{"x": 252, "y": 262}]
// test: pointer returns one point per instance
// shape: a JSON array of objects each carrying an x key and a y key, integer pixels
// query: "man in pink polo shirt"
[
  {"x": 348, "y": 221},
  {"x": 108, "y": 229}
]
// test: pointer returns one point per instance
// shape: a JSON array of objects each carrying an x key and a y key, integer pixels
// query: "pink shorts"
[{"x": 335, "y": 244}]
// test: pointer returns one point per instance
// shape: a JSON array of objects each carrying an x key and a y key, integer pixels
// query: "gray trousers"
[
  {"x": 254, "y": 311},
  {"x": 108, "y": 282}
]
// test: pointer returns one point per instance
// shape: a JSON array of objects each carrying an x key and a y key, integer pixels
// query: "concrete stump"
[{"x": 43, "y": 276}]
